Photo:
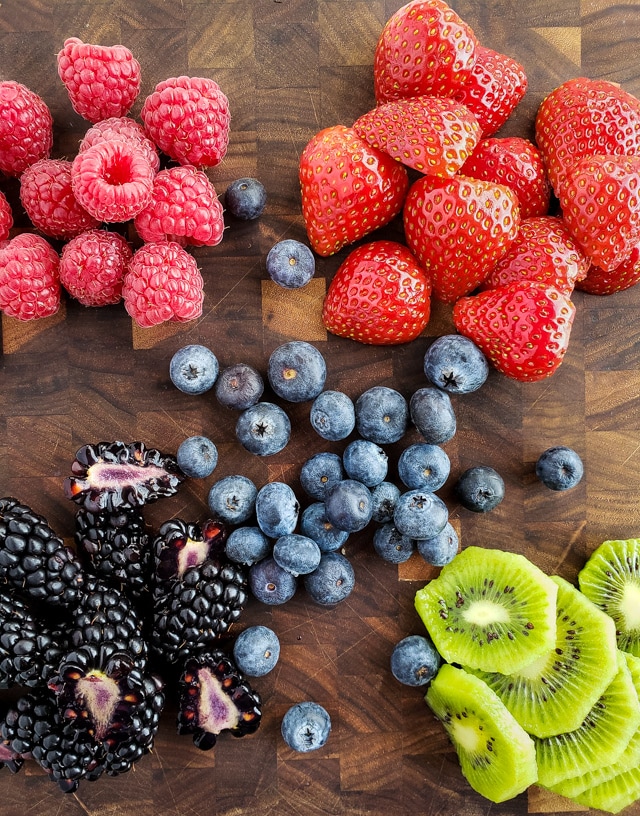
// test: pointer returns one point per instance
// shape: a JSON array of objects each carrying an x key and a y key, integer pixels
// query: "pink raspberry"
[
  {"x": 188, "y": 118},
  {"x": 29, "y": 279},
  {"x": 112, "y": 180},
  {"x": 102, "y": 81},
  {"x": 93, "y": 266},
  {"x": 6, "y": 217},
  {"x": 126, "y": 129},
  {"x": 26, "y": 128},
  {"x": 184, "y": 208},
  {"x": 48, "y": 199},
  {"x": 163, "y": 283}
]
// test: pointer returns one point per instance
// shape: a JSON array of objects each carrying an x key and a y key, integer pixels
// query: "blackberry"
[
  {"x": 34, "y": 560},
  {"x": 216, "y": 697}
]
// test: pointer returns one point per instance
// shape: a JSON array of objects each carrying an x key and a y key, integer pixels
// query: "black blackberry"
[{"x": 34, "y": 560}]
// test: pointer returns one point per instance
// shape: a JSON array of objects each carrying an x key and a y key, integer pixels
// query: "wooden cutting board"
[{"x": 289, "y": 68}]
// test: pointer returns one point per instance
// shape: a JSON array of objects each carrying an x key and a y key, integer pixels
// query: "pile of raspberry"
[{"x": 115, "y": 179}]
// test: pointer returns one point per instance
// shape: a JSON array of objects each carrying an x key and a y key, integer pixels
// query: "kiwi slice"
[
  {"x": 611, "y": 579},
  {"x": 600, "y": 740},
  {"x": 490, "y": 610},
  {"x": 496, "y": 754},
  {"x": 614, "y": 794},
  {"x": 556, "y": 692}
]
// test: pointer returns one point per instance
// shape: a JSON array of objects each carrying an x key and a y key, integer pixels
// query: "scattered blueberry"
[
  {"x": 349, "y": 505},
  {"x": 559, "y": 468},
  {"x": 332, "y": 581},
  {"x": 194, "y": 369},
  {"x": 441, "y": 549},
  {"x": 233, "y": 499},
  {"x": 381, "y": 415},
  {"x": 197, "y": 456},
  {"x": 297, "y": 553},
  {"x": 333, "y": 415},
  {"x": 384, "y": 496},
  {"x": 365, "y": 462},
  {"x": 306, "y": 727},
  {"x": 391, "y": 545},
  {"x": 291, "y": 264},
  {"x": 270, "y": 583},
  {"x": 424, "y": 466},
  {"x": 454, "y": 363},
  {"x": 415, "y": 660},
  {"x": 480, "y": 489},
  {"x": 420, "y": 514},
  {"x": 247, "y": 545},
  {"x": 315, "y": 524},
  {"x": 277, "y": 509},
  {"x": 239, "y": 386},
  {"x": 256, "y": 651},
  {"x": 245, "y": 198},
  {"x": 432, "y": 413},
  {"x": 320, "y": 473},
  {"x": 297, "y": 371},
  {"x": 263, "y": 429}
]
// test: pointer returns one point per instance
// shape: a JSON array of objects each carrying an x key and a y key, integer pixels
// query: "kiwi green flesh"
[
  {"x": 496, "y": 754},
  {"x": 490, "y": 610},
  {"x": 613, "y": 795},
  {"x": 600, "y": 740},
  {"x": 611, "y": 579},
  {"x": 556, "y": 692}
]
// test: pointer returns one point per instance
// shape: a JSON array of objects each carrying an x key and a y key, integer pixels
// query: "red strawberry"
[
  {"x": 516, "y": 163},
  {"x": 425, "y": 48},
  {"x": 584, "y": 117},
  {"x": 433, "y": 135},
  {"x": 379, "y": 295},
  {"x": 348, "y": 189},
  {"x": 459, "y": 229},
  {"x": 494, "y": 89},
  {"x": 544, "y": 252},
  {"x": 523, "y": 328},
  {"x": 600, "y": 202},
  {"x": 624, "y": 276}
]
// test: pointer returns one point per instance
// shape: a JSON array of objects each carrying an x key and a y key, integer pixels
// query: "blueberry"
[
  {"x": 331, "y": 581},
  {"x": 194, "y": 369},
  {"x": 247, "y": 545},
  {"x": 315, "y": 524},
  {"x": 415, "y": 660},
  {"x": 297, "y": 553},
  {"x": 381, "y": 415},
  {"x": 365, "y": 462},
  {"x": 441, "y": 549},
  {"x": 197, "y": 456},
  {"x": 559, "y": 468},
  {"x": 349, "y": 505},
  {"x": 320, "y": 473},
  {"x": 479, "y": 489},
  {"x": 424, "y": 466},
  {"x": 256, "y": 651},
  {"x": 454, "y": 363},
  {"x": 391, "y": 545},
  {"x": 296, "y": 371},
  {"x": 270, "y": 583},
  {"x": 263, "y": 429},
  {"x": 333, "y": 415},
  {"x": 290, "y": 264},
  {"x": 239, "y": 386},
  {"x": 233, "y": 499},
  {"x": 245, "y": 198},
  {"x": 277, "y": 509},
  {"x": 432, "y": 413},
  {"x": 420, "y": 514},
  {"x": 384, "y": 495},
  {"x": 306, "y": 727}
]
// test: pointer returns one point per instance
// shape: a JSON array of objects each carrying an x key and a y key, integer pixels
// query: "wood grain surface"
[{"x": 289, "y": 68}]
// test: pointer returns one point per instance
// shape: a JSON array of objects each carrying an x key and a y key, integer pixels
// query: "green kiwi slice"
[
  {"x": 490, "y": 610},
  {"x": 611, "y": 579},
  {"x": 614, "y": 794},
  {"x": 600, "y": 740},
  {"x": 556, "y": 692},
  {"x": 496, "y": 754}
]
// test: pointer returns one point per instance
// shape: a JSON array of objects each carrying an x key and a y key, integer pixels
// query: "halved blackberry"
[
  {"x": 180, "y": 544},
  {"x": 216, "y": 697},
  {"x": 111, "y": 476},
  {"x": 35, "y": 560}
]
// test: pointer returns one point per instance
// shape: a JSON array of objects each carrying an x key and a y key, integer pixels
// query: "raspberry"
[
  {"x": 48, "y": 199},
  {"x": 6, "y": 217},
  {"x": 163, "y": 283},
  {"x": 93, "y": 265},
  {"x": 112, "y": 180},
  {"x": 125, "y": 129},
  {"x": 184, "y": 208},
  {"x": 188, "y": 119},
  {"x": 102, "y": 81},
  {"x": 29, "y": 279},
  {"x": 26, "y": 128}
]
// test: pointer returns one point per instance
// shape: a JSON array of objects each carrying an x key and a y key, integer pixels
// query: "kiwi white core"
[
  {"x": 466, "y": 736},
  {"x": 630, "y": 606},
  {"x": 484, "y": 613}
]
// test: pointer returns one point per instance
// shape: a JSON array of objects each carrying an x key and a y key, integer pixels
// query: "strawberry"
[
  {"x": 523, "y": 328},
  {"x": 433, "y": 135},
  {"x": 348, "y": 188},
  {"x": 583, "y": 117},
  {"x": 379, "y": 295},
  {"x": 516, "y": 163},
  {"x": 600, "y": 202},
  {"x": 494, "y": 89},
  {"x": 424, "y": 48},
  {"x": 458, "y": 229},
  {"x": 544, "y": 252},
  {"x": 624, "y": 276}
]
